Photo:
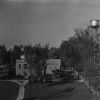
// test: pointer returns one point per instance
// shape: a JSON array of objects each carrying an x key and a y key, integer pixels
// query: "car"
[
  {"x": 67, "y": 76},
  {"x": 46, "y": 78}
]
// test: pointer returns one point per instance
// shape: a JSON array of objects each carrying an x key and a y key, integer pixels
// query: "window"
[
  {"x": 25, "y": 66},
  {"x": 25, "y": 74},
  {"x": 19, "y": 66}
]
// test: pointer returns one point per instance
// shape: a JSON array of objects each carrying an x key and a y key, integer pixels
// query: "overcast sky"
[{"x": 45, "y": 21}]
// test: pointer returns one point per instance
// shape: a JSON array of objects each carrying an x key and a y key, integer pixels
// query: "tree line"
[{"x": 77, "y": 52}]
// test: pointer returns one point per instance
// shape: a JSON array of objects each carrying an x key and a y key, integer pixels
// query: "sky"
[{"x": 44, "y": 21}]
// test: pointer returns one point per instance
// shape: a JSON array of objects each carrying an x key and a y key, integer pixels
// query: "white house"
[
  {"x": 22, "y": 68},
  {"x": 53, "y": 64}
]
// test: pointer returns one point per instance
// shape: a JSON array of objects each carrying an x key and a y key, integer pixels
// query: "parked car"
[
  {"x": 46, "y": 78},
  {"x": 67, "y": 76}
]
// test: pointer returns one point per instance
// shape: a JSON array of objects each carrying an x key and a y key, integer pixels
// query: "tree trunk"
[{"x": 44, "y": 70}]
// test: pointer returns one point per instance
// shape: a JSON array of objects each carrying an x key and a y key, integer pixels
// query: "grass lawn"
[
  {"x": 8, "y": 90},
  {"x": 62, "y": 91}
]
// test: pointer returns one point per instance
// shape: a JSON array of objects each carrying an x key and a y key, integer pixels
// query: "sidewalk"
[
  {"x": 21, "y": 84},
  {"x": 21, "y": 89}
]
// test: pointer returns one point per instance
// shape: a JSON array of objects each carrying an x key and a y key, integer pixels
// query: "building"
[
  {"x": 53, "y": 64},
  {"x": 22, "y": 68}
]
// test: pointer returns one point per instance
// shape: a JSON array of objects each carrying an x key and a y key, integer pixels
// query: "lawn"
[
  {"x": 61, "y": 91},
  {"x": 8, "y": 90}
]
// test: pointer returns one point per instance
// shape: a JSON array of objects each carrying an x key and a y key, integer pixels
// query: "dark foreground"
[
  {"x": 8, "y": 90},
  {"x": 59, "y": 91}
]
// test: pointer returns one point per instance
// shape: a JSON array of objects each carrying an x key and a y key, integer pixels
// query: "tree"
[
  {"x": 85, "y": 45},
  {"x": 68, "y": 53},
  {"x": 36, "y": 57},
  {"x": 28, "y": 49},
  {"x": 4, "y": 55},
  {"x": 45, "y": 55},
  {"x": 15, "y": 53},
  {"x": 87, "y": 48},
  {"x": 41, "y": 53},
  {"x": 78, "y": 50},
  {"x": 54, "y": 53}
]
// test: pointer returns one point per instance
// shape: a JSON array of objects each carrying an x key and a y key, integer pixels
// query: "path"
[
  {"x": 21, "y": 89},
  {"x": 21, "y": 84}
]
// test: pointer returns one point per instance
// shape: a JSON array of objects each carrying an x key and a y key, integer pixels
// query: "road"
[
  {"x": 8, "y": 90},
  {"x": 62, "y": 91}
]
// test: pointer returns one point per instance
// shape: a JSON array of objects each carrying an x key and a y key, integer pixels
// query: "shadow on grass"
[
  {"x": 69, "y": 89},
  {"x": 60, "y": 93},
  {"x": 50, "y": 84},
  {"x": 59, "y": 83},
  {"x": 33, "y": 98}
]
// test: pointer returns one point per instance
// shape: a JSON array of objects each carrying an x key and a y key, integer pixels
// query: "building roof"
[
  {"x": 54, "y": 61},
  {"x": 21, "y": 61}
]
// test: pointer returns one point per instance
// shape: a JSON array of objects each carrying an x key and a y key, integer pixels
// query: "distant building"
[
  {"x": 22, "y": 68},
  {"x": 53, "y": 64}
]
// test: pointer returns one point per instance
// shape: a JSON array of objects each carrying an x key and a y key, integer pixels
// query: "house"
[
  {"x": 53, "y": 64},
  {"x": 22, "y": 68}
]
